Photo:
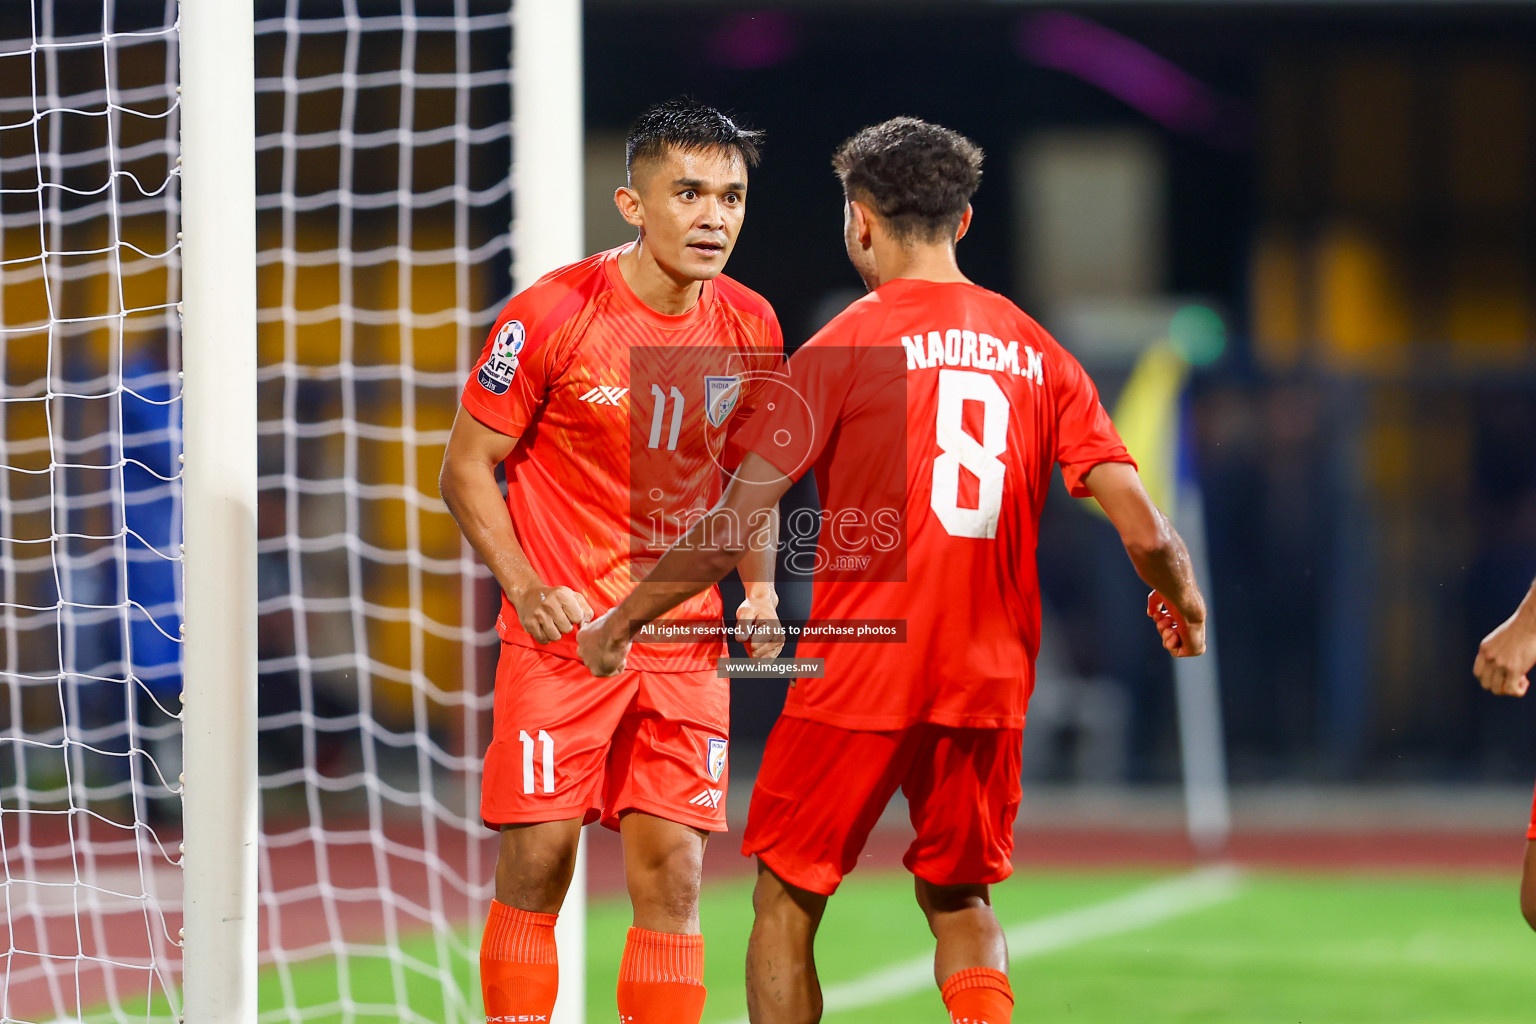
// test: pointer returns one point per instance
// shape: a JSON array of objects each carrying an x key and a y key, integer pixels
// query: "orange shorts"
[
  {"x": 565, "y": 744},
  {"x": 822, "y": 788},
  {"x": 1530, "y": 833}
]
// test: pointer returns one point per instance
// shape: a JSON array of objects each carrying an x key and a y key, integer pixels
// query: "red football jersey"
[
  {"x": 624, "y": 418},
  {"x": 932, "y": 415}
]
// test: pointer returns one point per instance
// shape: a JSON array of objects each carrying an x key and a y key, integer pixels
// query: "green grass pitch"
[{"x": 1285, "y": 948}]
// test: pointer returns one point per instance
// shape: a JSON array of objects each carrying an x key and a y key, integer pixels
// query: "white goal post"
[
  {"x": 219, "y": 795},
  {"x": 548, "y": 233}
]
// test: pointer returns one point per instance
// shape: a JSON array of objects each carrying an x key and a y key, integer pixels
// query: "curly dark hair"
[
  {"x": 918, "y": 177},
  {"x": 687, "y": 124}
]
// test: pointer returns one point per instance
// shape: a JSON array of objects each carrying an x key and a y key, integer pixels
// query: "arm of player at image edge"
[
  {"x": 1506, "y": 655},
  {"x": 469, "y": 489},
  {"x": 703, "y": 555},
  {"x": 1175, "y": 605}
]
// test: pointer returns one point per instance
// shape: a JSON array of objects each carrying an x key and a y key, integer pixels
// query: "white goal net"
[
  {"x": 383, "y": 150},
  {"x": 384, "y": 143},
  {"x": 89, "y": 510}
]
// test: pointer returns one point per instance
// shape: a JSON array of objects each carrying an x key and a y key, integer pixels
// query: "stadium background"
[{"x": 1350, "y": 186}]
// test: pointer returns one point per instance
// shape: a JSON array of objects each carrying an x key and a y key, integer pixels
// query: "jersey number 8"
[{"x": 958, "y": 448}]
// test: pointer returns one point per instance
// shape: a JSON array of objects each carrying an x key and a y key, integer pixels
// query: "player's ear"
[
  {"x": 965, "y": 223},
  {"x": 630, "y": 208},
  {"x": 860, "y": 222}
]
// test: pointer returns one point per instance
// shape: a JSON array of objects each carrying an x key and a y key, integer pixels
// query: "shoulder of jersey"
[
  {"x": 739, "y": 297},
  {"x": 563, "y": 290},
  {"x": 871, "y": 307},
  {"x": 1043, "y": 337},
  {"x": 1046, "y": 339}
]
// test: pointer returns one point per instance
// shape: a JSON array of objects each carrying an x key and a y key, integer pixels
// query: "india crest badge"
[
  {"x": 716, "y": 758},
  {"x": 720, "y": 397}
]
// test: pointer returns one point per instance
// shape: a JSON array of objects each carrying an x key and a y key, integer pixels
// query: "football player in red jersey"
[
  {"x": 1503, "y": 660},
  {"x": 612, "y": 389},
  {"x": 932, "y": 412}
]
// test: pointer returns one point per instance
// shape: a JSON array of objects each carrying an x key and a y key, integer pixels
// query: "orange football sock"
[
  {"x": 518, "y": 972},
  {"x": 661, "y": 979},
  {"x": 978, "y": 995}
]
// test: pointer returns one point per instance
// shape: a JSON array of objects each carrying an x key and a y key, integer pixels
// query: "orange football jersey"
[
  {"x": 932, "y": 415},
  {"x": 625, "y": 420}
]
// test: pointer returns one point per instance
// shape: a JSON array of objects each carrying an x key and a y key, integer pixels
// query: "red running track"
[{"x": 395, "y": 886}]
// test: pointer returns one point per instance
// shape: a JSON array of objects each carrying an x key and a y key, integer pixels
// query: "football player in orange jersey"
[
  {"x": 1503, "y": 660},
  {"x": 953, "y": 394},
  {"x": 612, "y": 390}
]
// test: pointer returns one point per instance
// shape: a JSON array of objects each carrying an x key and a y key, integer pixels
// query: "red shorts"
[
  {"x": 1530, "y": 833},
  {"x": 822, "y": 788},
  {"x": 566, "y": 744}
]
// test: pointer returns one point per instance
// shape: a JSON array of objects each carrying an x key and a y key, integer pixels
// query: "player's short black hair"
[
  {"x": 918, "y": 177},
  {"x": 687, "y": 124}
]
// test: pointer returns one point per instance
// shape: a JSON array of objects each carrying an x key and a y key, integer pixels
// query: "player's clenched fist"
[
  {"x": 1181, "y": 638},
  {"x": 758, "y": 628},
  {"x": 548, "y": 613},
  {"x": 1506, "y": 655},
  {"x": 602, "y": 645}
]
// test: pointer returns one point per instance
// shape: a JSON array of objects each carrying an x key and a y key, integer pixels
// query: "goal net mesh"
[
  {"x": 383, "y": 152},
  {"x": 89, "y": 510},
  {"x": 383, "y": 149}
]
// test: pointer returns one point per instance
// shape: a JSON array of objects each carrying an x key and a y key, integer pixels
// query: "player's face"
[
  {"x": 689, "y": 205},
  {"x": 856, "y": 239}
]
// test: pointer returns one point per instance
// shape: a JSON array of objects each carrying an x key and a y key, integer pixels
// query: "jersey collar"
[{"x": 633, "y": 303}]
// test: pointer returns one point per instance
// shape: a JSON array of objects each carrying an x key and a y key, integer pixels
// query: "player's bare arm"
[
  {"x": 1507, "y": 654},
  {"x": 1503, "y": 664},
  {"x": 712, "y": 548},
  {"x": 757, "y": 619},
  {"x": 1528, "y": 885},
  {"x": 1175, "y": 605},
  {"x": 468, "y": 486}
]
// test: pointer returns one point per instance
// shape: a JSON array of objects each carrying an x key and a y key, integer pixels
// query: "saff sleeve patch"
[{"x": 501, "y": 365}]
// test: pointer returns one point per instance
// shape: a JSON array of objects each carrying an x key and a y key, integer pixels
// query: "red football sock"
[
  {"x": 978, "y": 995},
  {"x": 661, "y": 979},
  {"x": 518, "y": 972}
]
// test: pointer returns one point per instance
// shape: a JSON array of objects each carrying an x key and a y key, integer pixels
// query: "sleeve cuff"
[
  {"x": 1072, "y": 473},
  {"x": 776, "y": 459},
  {"x": 486, "y": 415}
]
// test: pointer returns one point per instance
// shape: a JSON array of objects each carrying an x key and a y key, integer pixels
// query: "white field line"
[{"x": 1159, "y": 902}]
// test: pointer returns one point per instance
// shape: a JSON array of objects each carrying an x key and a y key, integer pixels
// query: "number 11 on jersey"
[
  {"x": 548, "y": 744},
  {"x": 658, "y": 416}
]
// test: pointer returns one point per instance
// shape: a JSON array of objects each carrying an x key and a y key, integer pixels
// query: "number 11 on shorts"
[{"x": 547, "y": 747}]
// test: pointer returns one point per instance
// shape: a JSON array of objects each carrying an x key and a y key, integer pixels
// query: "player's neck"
[
  {"x": 653, "y": 285},
  {"x": 917, "y": 263}
]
